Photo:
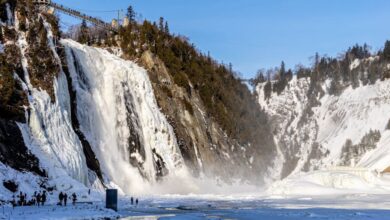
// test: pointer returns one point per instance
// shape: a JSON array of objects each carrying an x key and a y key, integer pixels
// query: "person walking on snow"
[
  {"x": 74, "y": 198},
  {"x": 39, "y": 199},
  {"x": 65, "y": 198},
  {"x": 61, "y": 197},
  {"x": 43, "y": 198},
  {"x": 35, "y": 198}
]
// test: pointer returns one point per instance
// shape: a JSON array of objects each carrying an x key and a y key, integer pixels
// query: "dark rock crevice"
[
  {"x": 13, "y": 151},
  {"x": 134, "y": 141}
]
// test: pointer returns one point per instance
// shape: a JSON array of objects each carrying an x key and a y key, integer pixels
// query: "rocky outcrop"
[
  {"x": 13, "y": 151},
  {"x": 207, "y": 149}
]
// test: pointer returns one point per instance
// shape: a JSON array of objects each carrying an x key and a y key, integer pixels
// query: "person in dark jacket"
[
  {"x": 39, "y": 198},
  {"x": 43, "y": 198},
  {"x": 21, "y": 199},
  {"x": 74, "y": 198},
  {"x": 35, "y": 198},
  {"x": 61, "y": 197},
  {"x": 65, "y": 198}
]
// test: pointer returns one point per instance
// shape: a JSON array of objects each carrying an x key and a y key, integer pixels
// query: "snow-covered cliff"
[
  {"x": 315, "y": 140},
  {"x": 348, "y": 130}
]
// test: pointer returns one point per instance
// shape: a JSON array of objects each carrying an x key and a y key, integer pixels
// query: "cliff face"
[
  {"x": 13, "y": 96},
  {"x": 207, "y": 149},
  {"x": 347, "y": 129}
]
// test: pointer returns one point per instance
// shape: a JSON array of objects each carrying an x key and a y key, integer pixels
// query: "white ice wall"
[{"x": 49, "y": 133}]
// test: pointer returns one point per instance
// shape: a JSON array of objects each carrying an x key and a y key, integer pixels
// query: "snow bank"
[{"x": 332, "y": 182}]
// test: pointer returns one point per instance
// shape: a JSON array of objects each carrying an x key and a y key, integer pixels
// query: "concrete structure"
[{"x": 112, "y": 199}]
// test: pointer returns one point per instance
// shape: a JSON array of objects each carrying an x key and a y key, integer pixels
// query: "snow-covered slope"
[
  {"x": 350, "y": 115},
  {"x": 316, "y": 141}
]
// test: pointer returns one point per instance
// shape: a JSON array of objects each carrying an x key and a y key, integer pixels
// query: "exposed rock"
[
  {"x": 207, "y": 149},
  {"x": 13, "y": 151}
]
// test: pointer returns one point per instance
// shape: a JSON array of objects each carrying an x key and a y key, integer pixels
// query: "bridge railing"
[{"x": 76, "y": 14}]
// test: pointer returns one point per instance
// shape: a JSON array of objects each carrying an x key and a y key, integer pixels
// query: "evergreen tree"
[
  {"x": 83, "y": 36},
  {"x": 161, "y": 24},
  {"x": 267, "y": 90},
  {"x": 166, "y": 28},
  {"x": 131, "y": 14},
  {"x": 282, "y": 80},
  {"x": 259, "y": 78},
  {"x": 282, "y": 71},
  {"x": 316, "y": 60},
  {"x": 230, "y": 68},
  {"x": 302, "y": 71},
  {"x": 386, "y": 51},
  {"x": 355, "y": 78}
]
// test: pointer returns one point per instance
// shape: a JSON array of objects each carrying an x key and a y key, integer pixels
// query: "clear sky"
[{"x": 254, "y": 34}]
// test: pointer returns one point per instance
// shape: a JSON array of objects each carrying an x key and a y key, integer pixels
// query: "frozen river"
[{"x": 354, "y": 207}]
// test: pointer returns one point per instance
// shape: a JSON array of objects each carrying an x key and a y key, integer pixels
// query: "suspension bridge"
[{"x": 77, "y": 14}]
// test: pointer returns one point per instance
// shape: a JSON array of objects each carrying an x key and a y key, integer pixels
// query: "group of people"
[
  {"x": 132, "y": 201},
  {"x": 63, "y": 197},
  {"x": 39, "y": 198}
]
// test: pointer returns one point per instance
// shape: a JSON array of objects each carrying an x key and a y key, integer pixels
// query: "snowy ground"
[
  {"x": 348, "y": 206},
  {"x": 80, "y": 211}
]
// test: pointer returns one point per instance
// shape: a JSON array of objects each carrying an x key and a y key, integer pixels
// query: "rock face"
[
  {"x": 207, "y": 149},
  {"x": 13, "y": 151}
]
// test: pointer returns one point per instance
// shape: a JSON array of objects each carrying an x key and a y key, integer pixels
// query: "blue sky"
[{"x": 254, "y": 34}]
